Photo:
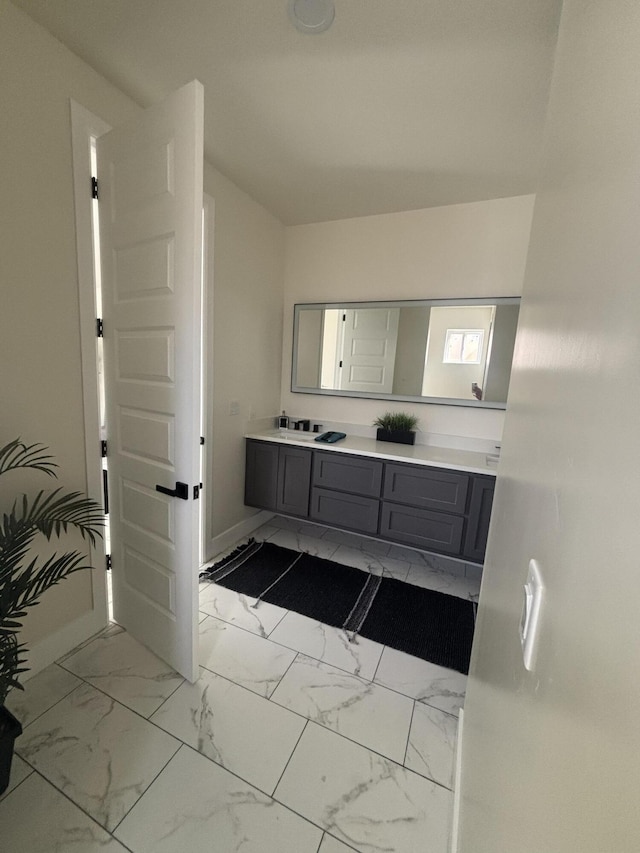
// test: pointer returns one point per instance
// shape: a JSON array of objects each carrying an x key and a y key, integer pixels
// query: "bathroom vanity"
[{"x": 435, "y": 499}]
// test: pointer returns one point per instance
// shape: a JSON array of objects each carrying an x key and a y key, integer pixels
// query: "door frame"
[{"x": 85, "y": 126}]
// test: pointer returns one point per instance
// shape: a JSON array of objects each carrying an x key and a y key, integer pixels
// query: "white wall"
[
  {"x": 39, "y": 323},
  {"x": 550, "y": 760},
  {"x": 411, "y": 350},
  {"x": 40, "y": 373},
  {"x": 247, "y": 341},
  {"x": 505, "y": 326},
  {"x": 462, "y": 250}
]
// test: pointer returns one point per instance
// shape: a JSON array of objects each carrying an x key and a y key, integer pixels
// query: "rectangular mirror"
[{"x": 452, "y": 351}]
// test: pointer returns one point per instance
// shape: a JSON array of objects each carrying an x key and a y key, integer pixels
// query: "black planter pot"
[
  {"x": 10, "y": 729},
  {"x": 398, "y": 436}
]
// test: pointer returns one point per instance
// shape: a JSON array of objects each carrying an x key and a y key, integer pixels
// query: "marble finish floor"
[{"x": 293, "y": 740}]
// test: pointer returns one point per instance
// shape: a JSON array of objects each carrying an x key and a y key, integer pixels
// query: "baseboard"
[
  {"x": 54, "y": 646},
  {"x": 456, "y": 786},
  {"x": 234, "y": 534}
]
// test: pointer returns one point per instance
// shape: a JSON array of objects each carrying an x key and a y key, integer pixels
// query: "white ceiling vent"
[{"x": 311, "y": 16}]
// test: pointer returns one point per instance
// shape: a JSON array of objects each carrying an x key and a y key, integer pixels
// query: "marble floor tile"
[
  {"x": 436, "y": 686},
  {"x": 332, "y": 845},
  {"x": 195, "y": 805},
  {"x": 237, "y": 609},
  {"x": 328, "y": 644},
  {"x": 432, "y": 743},
  {"x": 377, "y": 564},
  {"x": 300, "y": 542},
  {"x": 365, "y": 800},
  {"x": 435, "y": 562},
  {"x": 124, "y": 669},
  {"x": 41, "y": 693},
  {"x": 362, "y": 711},
  {"x": 54, "y": 824},
  {"x": 298, "y": 525},
  {"x": 473, "y": 571},
  {"x": 111, "y": 628},
  {"x": 265, "y": 532},
  {"x": 251, "y": 661},
  {"x": 360, "y": 543},
  {"x": 243, "y": 732},
  {"x": 97, "y": 752},
  {"x": 457, "y": 585},
  {"x": 19, "y": 772}
]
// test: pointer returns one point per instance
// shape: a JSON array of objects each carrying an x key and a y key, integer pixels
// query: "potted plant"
[
  {"x": 24, "y": 578},
  {"x": 396, "y": 426}
]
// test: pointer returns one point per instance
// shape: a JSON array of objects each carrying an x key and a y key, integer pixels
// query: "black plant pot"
[
  {"x": 10, "y": 729},
  {"x": 398, "y": 436}
]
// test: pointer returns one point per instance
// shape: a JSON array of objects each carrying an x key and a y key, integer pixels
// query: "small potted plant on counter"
[
  {"x": 24, "y": 577},
  {"x": 398, "y": 427}
]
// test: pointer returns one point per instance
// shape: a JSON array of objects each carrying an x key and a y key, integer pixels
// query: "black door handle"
[{"x": 181, "y": 491}]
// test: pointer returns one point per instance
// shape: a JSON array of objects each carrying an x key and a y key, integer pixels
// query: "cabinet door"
[
  {"x": 431, "y": 531},
  {"x": 261, "y": 476},
  {"x": 294, "y": 481},
  {"x": 475, "y": 540},
  {"x": 429, "y": 488}
]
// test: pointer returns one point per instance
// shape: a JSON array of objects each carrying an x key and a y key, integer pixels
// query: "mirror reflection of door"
[{"x": 369, "y": 338}]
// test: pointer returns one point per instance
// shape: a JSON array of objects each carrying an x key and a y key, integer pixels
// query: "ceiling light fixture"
[{"x": 311, "y": 16}]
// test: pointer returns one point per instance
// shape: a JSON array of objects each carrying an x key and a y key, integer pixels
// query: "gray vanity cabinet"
[
  {"x": 430, "y": 531},
  {"x": 359, "y": 475},
  {"x": 435, "y": 509},
  {"x": 475, "y": 540},
  {"x": 346, "y": 490},
  {"x": 278, "y": 478},
  {"x": 429, "y": 488},
  {"x": 424, "y": 507}
]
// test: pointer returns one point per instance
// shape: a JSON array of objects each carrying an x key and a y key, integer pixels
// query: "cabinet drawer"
[
  {"x": 428, "y": 488},
  {"x": 355, "y": 474},
  {"x": 344, "y": 510},
  {"x": 422, "y": 528}
]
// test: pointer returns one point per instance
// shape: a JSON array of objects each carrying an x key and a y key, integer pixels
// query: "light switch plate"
[{"x": 531, "y": 609}]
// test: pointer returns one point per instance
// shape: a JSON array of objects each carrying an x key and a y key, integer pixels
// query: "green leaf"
[
  {"x": 16, "y": 454},
  {"x": 24, "y": 579}
]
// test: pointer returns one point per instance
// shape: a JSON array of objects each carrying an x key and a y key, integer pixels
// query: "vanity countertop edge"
[{"x": 470, "y": 461}]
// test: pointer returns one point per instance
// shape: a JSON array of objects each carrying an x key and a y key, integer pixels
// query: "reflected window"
[{"x": 463, "y": 346}]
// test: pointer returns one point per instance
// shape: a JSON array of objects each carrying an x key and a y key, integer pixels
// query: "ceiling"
[{"x": 400, "y": 105}]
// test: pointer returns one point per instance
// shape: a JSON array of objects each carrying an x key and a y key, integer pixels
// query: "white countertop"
[{"x": 417, "y": 454}]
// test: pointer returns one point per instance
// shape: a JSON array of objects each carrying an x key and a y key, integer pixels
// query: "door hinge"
[
  {"x": 196, "y": 492},
  {"x": 201, "y": 439},
  {"x": 99, "y": 327},
  {"x": 340, "y": 364},
  {"x": 103, "y": 448},
  {"x": 94, "y": 188},
  {"x": 344, "y": 318},
  {"x": 108, "y": 562}
]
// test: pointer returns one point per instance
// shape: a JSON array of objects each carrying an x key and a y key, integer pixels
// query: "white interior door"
[
  {"x": 150, "y": 189},
  {"x": 370, "y": 338}
]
